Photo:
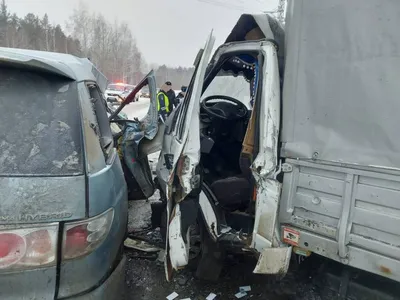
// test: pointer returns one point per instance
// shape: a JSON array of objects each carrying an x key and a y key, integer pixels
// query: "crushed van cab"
[{"x": 285, "y": 144}]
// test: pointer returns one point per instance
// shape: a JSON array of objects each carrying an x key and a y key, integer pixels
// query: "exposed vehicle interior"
[
  {"x": 226, "y": 110},
  {"x": 128, "y": 135}
]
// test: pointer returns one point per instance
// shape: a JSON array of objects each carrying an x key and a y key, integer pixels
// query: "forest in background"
[{"x": 111, "y": 46}]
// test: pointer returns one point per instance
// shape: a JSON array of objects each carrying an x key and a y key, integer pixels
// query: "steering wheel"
[{"x": 237, "y": 110}]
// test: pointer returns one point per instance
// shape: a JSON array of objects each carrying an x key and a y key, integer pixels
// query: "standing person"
[
  {"x": 163, "y": 102},
  {"x": 180, "y": 96},
  {"x": 171, "y": 96}
]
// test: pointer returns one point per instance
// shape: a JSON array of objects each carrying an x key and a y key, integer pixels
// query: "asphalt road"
[{"x": 313, "y": 278}]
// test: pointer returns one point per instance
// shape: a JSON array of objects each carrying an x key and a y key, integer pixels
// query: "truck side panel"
[{"x": 349, "y": 215}]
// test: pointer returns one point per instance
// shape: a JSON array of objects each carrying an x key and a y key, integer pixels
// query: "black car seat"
[
  {"x": 232, "y": 192},
  {"x": 235, "y": 192}
]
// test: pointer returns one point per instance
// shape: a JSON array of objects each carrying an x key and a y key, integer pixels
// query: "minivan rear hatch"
[{"x": 41, "y": 149}]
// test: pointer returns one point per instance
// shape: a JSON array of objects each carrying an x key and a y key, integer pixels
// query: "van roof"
[{"x": 75, "y": 68}]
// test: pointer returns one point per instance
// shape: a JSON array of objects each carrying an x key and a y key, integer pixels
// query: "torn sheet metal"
[
  {"x": 178, "y": 249},
  {"x": 268, "y": 194},
  {"x": 257, "y": 27},
  {"x": 265, "y": 164},
  {"x": 178, "y": 142},
  {"x": 134, "y": 133},
  {"x": 209, "y": 216}
]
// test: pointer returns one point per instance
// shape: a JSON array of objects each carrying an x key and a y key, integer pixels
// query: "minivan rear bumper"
[{"x": 113, "y": 288}]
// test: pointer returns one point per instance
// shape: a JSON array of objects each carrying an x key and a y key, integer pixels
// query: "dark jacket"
[
  {"x": 179, "y": 99},
  {"x": 171, "y": 98}
]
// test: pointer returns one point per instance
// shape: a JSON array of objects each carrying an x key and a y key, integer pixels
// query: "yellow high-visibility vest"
[{"x": 166, "y": 102}]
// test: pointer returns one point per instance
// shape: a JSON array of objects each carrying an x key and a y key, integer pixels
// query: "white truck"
[{"x": 288, "y": 144}]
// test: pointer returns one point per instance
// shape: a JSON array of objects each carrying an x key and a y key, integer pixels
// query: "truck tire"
[{"x": 209, "y": 261}]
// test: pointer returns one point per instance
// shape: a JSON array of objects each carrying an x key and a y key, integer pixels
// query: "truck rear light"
[
  {"x": 28, "y": 248},
  {"x": 83, "y": 237}
]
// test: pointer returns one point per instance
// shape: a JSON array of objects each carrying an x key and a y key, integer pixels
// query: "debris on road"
[
  {"x": 182, "y": 279},
  {"x": 161, "y": 256},
  {"x": 246, "y": 288},
  {"x": 240, "y": 295},
  {"x": 172, "y": 296},
  {"x": 141, "y": 245},
  {"x": 212, "y": 296}
]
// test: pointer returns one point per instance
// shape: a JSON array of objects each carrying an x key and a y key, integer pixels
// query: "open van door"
[
  {"x": 177, "y": 169},
  {"x": 133, "y": 137}
]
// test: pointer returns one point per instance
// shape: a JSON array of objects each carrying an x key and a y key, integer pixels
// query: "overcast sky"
[{"x": 167, "y": 31}]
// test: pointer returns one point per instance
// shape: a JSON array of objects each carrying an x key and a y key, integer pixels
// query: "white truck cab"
[{"x": 288, "y": 145}]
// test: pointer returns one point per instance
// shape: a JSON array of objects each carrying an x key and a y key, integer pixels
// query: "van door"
[
  {"x": 130, "y": 136},
  {"x": 274, "y": 256},
  {"x": 177, "y": 167}
]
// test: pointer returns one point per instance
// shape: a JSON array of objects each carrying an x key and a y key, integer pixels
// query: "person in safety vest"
[{"x": 163, "y": 105}]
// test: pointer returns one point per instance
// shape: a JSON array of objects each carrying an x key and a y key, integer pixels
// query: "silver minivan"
[{"x": 63, "y": 197}]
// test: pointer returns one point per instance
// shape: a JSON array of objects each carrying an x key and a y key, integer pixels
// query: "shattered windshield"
[{"x": 39, "y": 124}]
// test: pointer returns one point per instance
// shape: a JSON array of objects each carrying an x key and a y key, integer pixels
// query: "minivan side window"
[{"x": 103, "y": 130}]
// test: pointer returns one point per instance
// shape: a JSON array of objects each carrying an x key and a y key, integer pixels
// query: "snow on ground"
[{"x": 137, "y": 109}]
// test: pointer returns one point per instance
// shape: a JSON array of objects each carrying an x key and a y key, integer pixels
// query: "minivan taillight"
[
  {"x": 83, "y": 237},
  {"x": 28, "y": 248}
]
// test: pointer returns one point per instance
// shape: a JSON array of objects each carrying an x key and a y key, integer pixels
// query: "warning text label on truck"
[{"x": 291, "y": 236}]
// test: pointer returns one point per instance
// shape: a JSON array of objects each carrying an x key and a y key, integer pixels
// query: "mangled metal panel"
[
  {"x": 259, "y": 26},
  {"x": 101, "y": 79},
  {"x": 341, "y": 85}
]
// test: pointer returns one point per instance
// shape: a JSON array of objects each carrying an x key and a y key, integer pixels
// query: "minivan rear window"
[{"x": 40, "y": 128}]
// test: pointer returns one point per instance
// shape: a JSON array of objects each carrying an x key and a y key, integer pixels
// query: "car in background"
[
  {"x": 64, "y": 200},
  {"x": 145, "y": 93},
  {"x": 116, "y": 91},
  {"x": 126, "y": 93}
]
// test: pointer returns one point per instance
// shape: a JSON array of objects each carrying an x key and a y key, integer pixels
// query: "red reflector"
[
  {"x": 4, "y": 249},
  {"x": 12, "y": 249},
  {"x": 77, "y": 237}
]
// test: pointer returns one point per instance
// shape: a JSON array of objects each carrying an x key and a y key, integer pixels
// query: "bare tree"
[
  {"x": 4, "y": 18},
  {"x": 111, "y": 46}
]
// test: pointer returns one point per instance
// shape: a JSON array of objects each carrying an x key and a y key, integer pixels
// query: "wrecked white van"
[{"x": 277, "y": 152}]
